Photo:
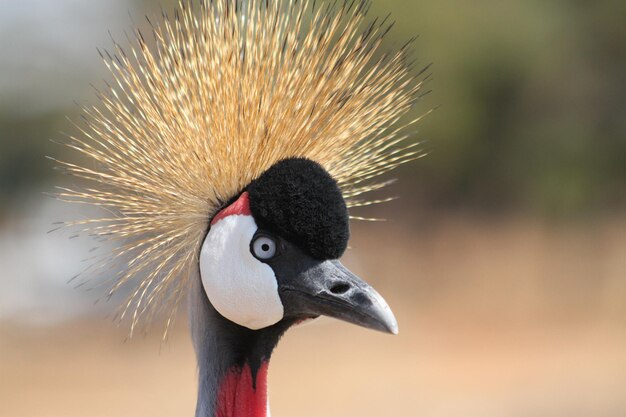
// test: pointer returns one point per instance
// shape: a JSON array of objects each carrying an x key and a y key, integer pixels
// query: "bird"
[{"x": 225, "y": 156}]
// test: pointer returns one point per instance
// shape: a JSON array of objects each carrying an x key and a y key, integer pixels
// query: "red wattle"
[
  {"x": 238, "y": 396},
  {"x": 239, "y": 207}
]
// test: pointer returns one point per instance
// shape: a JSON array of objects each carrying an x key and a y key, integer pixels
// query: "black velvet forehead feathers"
[{"x": 298, "y": 200}]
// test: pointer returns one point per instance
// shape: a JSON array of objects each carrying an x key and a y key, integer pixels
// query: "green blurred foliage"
[
  {"x": 25, "y": 141},
  {"x": 530, "y": 97},
  {"x": 533, "y": 103}
]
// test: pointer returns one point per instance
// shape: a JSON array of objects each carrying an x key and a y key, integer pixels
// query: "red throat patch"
[
  {"x": 239, "y": 207},
  {"x": 240, "y": 396}
]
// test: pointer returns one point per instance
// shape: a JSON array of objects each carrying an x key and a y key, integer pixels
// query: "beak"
[{"x": 330, "y": 289}]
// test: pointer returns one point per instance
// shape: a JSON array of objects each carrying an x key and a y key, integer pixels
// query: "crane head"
[{"x": 272, "y": 253}]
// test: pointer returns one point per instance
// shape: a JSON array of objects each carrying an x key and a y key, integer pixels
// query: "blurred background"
[{"x": 504, "y": 259}]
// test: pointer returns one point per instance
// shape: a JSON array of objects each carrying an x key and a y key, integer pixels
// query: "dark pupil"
[{"x": 265, "y": 247}]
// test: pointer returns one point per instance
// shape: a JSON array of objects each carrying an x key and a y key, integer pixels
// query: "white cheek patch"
[{"x": 239, "y": 286}]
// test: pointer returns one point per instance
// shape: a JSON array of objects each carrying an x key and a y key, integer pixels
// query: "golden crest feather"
[{"x": 224, "y": 91}]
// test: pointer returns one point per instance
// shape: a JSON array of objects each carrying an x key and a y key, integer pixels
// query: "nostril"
[{"x": 339, "y": 288}]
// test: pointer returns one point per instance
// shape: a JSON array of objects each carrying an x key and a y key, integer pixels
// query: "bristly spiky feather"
[{"x": 224, "y": 93}]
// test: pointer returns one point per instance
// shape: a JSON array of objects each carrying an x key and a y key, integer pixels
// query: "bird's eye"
[{"x": 264, "y": 247}]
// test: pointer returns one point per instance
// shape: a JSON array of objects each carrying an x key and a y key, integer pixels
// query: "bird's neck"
[
  {"x": 241, "y": 393},
  {"x": 232, "y": 361}
]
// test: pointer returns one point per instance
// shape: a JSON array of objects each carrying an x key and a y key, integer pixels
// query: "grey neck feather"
[
  {"x": 211, "y": 362},
  {"x": 221, "y": 345}
]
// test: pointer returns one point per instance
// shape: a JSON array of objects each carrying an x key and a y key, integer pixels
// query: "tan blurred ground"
[{"x": 499, "y": 318}]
